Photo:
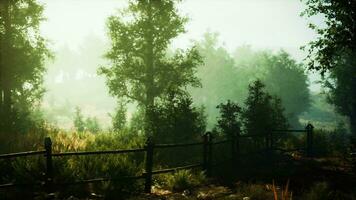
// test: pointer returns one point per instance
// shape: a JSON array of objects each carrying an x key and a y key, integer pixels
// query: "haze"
[{"x": 73, "y": 25}]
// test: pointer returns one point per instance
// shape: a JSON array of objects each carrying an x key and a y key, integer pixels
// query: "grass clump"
[{"x": 182, "y": 180}]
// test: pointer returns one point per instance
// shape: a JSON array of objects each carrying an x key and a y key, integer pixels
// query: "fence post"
[
  {"x": 205, "y": 152},
  {"x": 309, "y": 129},
  {"x": 237, "y": 143},
  {"x": 233, "y": 149},
  {"x": 210, "y": 154},
  {"x": 271, "y": 140},
  {"x": 49, "y": 164},
  {"x": 149, "y": 164}
]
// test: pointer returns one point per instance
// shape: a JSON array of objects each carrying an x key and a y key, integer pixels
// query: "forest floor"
[{"x": 335, "y": 175}]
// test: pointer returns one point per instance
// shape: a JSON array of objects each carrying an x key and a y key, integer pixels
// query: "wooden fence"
[{"x": 149, "y": 148}]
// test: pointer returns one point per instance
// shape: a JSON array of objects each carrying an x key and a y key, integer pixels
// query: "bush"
[{"x": 182, "y": 180}]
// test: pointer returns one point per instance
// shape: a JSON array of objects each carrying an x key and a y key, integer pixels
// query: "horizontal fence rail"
[
  {"x": 148, "y": 149},
  {"x": 222, "y": 142},
  {"x": 177, "y": 145},
  {"x": 21, "y": 154},
  {"x": 96, "y": 180},
  {"x": 83, "y": 153},
  {"x": 12, "y": 185},
  {"x": 290, "y": 131},
  {"x": 162, "y": 171}
]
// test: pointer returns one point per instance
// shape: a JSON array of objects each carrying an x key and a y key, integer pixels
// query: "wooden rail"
[
  {"x": 83, "y": 153},
  {"x": 177, "y": 145},
  {"x": 207, "y": 159},
  {"x": 21, "y": 154}
]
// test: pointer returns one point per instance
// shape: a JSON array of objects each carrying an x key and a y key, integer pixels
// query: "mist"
[{"x": 79, "y": 40}]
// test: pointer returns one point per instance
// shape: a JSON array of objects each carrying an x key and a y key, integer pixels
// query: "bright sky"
[{"x": 266, "y": 24}]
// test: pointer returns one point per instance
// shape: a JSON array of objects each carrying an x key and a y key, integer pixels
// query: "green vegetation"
[
  {"x": 226, "y": 77},
  {"x": 22, "y": 55},
  {"x": 333, "y": 53},
  {"x": 140, "y": 70},
  {"x": 161, "y": 94}
]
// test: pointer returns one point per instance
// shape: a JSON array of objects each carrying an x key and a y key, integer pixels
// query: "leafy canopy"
[
  {"x": 140, "y": 68},
  {"x": 334, "y": 52},
  {"x": 23, "y": 52}
]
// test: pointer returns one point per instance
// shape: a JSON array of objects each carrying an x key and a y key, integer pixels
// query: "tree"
[
  {"x": 79, "y": 123},
  {"x": 229, "y": 123},
  {"x": 176, "y": 120},
  {"x": 22, "y": 55},
  {"x": 333, "y": 53},
  {"x": 140, "y": 69},
  {"x": 92, "y": 125},
  {"x": 119, "y": 118},
  {"x": 226, "y": 77},
  {"x": 219, "y": 77},
  {"x": 282, "y": 75},
  {"x": 285, "y": 78},
  {"x": 262, "y": 112}
]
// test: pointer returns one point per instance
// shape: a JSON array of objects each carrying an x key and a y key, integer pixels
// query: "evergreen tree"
[
  {"x": 176, "y": 120},
  {"x": 119, "y": 118},
  {"x": 92, "y": 125},
  {"x": 262, "y": 112},
  {"x": 22, "y": 54},
  {"x": 228, "y": 122},
  {"x": 79, "y": 123}
]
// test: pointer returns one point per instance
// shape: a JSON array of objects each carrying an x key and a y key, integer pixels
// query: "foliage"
[
  {"x": 119, "y": 118},
  {"x": 22, "y": 54},
  {"x": 322, "y": 114},
  {"x": 92, "y": 125},
  {"x": 262, "y": 112},
  {"x": 140, "y": 69},
  {"x": 176, "y": 120},
  {"x": 286, "y": 78},
  {"x": 79, "y": 123},
  {"x": 219, "y": 77},
  {"x": 68, "y": 169},
  {"x": 184, "y": 179},
  {"x": 229, "y": 123},
  {"x": 334, "y": 142},
  {"x": 226, "y": 76},
  {"x": 334, "y": 52}
]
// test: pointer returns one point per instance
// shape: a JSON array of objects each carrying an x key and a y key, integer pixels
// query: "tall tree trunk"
[
  {"x": 6, "y": 87},
  {"x": 150, "y": 87}
]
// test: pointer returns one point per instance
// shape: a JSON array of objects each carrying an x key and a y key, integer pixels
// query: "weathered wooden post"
[
  {"x": 205, "y": 152},
  {"x": 49, "y": 164},
  {"x": 210, "y": 154},
  {"x": 237, "y": 143},
  {"x": 233, "y": 148},
  {"x": 271, "y": 140},
  {"x": 309, "y": 129},
  {"x": 149, "y": 164}
]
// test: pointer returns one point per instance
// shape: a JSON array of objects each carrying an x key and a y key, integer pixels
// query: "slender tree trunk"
[
  {"x": 5, "y": 78},
  {"x": 150, "y": 87}
]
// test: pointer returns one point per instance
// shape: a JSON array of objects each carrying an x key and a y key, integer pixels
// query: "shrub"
[{"x": 183, "y": 179}]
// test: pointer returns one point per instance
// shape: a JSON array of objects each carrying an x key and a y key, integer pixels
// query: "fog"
[{"x": 77, "y": 31}]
